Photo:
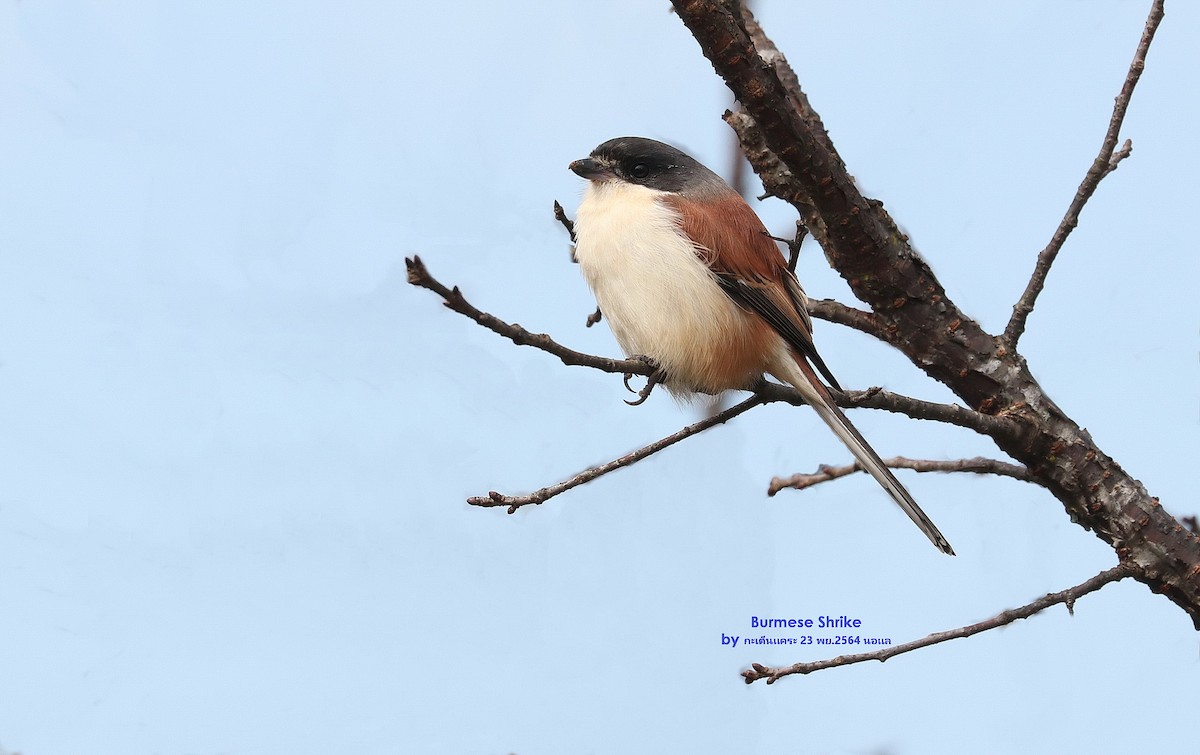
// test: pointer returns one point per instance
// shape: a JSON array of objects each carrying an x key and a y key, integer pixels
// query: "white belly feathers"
[{"x": 657, "y": 295}]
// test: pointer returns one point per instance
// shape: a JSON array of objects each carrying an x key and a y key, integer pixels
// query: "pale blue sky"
[{"x": 237, "y": 444}]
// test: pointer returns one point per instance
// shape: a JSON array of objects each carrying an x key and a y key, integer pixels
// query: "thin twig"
[
  {"x": 544, "y": 494},
  {"x": 1124, "y": 152},
  {"x": 561, "y": 216},
  {"x": 1069, "y": 596},
  {"x": 795, "y": 244},
  {"x": 418, "y": 275},
  {"x": 1105, "y": 163},
  {"x": 835, "y": 312},
  {"x": 976, "y": 465},
  {"x": 765, "y": 392}
]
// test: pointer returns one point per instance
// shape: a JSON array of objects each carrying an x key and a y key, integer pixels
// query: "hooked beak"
[{"x": 592, "y": 170}]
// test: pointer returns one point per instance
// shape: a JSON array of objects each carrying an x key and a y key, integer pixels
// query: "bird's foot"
[{"x": 655, "y": 378}]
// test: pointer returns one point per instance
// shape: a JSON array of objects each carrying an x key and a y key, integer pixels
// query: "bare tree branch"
[
  {"x": 1069, "y": 596},
  {"x": 561, "y": 216},
  {"x": 1125, "y": 151},
  {"x": 787, "y": 144},
  {"x": 1105, "y": 163},
  {"x": 764, "y": 392},
  {"x": 544, "y": 494},
  {"x": 418, "y": 275},
  {"x": 795, "y": 244},
  {"x": 835, "y": 312},
  {"x": 976, "y": 465},
  {"x": 953, "y": 414}
]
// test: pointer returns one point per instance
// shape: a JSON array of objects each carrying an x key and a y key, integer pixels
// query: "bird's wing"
[{"x": 732, "y": 241}]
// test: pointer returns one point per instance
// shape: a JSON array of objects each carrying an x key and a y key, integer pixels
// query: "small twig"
[
  {"x": 561, "y": 216},
  {"x": 1124, "y": 152},
  {"x": 977, "y": 465},
  {"x": 795, "y": 243},
  {"x": 418, "y": 275},
  {"x": 840, "y": 314},
  {"x": 1105, "y": 163},
  {"x": 1068, "y": 597},
  {"x": 544, "y": 494}
]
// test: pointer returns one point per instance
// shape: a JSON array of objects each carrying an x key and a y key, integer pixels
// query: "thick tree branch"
[
  {"x": 1105, "y": 163},
  {"x": 976, "y": 465},
  {"x": 788, "y": 146},
  {"x": 1069, "y": 596}
]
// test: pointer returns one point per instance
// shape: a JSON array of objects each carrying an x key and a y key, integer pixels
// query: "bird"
[{"x": 689, "y": 280}]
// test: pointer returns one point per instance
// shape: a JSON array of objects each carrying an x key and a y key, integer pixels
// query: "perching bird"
[{"x": 687, "y": 277}]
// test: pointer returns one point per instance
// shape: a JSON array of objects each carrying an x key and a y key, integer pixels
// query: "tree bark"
[{"x": 789, "y": 148}]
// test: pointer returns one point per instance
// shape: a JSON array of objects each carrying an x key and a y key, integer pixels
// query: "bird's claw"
[
  {"x": 655, "y": 378},
  {"x": 644, "y": 393}
]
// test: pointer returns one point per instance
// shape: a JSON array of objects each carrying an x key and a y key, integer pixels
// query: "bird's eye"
[{"x": 641, "y": 170}]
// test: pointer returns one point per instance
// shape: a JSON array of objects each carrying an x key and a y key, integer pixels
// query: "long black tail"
[{"x": 818, "y": 396}]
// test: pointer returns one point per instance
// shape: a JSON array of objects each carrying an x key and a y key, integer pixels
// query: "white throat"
[{"x": 657, "y": 295}]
